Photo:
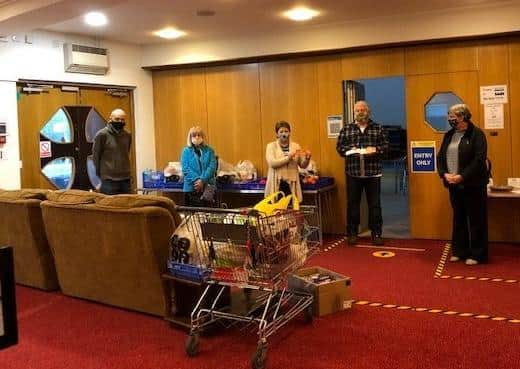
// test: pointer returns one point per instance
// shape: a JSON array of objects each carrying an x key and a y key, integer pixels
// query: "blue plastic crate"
[
  {"x": 173, "y": 185},
  {"x": 322, "y": 182},
  {"x": 153, "y": 179},
  {"x": 258, "y": 184},
  {"x": 188, "y": 271}
]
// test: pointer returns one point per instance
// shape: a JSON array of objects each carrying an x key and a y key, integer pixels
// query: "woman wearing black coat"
[{"x": 461, "y": 163}]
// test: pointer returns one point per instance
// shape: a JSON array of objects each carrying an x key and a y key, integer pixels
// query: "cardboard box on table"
[{"x": 329, "y": 297}]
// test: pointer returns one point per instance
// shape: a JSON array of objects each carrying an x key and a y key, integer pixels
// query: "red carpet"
[{"x": 58, "y": 332}]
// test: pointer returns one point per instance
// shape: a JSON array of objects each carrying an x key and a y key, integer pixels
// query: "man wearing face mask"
[
  {"x": 461, "y": 163},
  {"x": 283, "y": 158},
  {"x": 111, "y": 152},
  {"x": 363, "y": 143}
]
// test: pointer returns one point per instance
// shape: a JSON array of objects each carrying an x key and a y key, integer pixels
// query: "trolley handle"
[{"x": 194, "y": 209}]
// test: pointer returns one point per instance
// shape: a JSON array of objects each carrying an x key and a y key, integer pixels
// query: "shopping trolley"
[{"x": 244, "y": 249}]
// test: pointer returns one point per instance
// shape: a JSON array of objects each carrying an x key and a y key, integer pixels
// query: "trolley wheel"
[
  {"x": 258, "y": 360},
  {"x": 308, "y": 315},
  {"x": 192, "y": 344}
]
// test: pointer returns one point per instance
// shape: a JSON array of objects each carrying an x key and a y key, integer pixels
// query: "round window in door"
[
  {"x": 66, "y": 147},
  {"x": 57, "y": 169},
  {"x": 93, "y": 124},
  {"x": 60, "y": 172},
  {"x": 436, "y": 110}
]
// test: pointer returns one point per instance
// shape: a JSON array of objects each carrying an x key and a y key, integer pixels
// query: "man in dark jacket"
[
  {"x": 110, "y": 152},
  {"x": 461, "y": 163}
]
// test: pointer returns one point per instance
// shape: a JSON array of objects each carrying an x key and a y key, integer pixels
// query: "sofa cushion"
[
  {"x": 25, "y": 194},
  {"x": 139, "y": 201},
  {"x": 73, "y": 197}
]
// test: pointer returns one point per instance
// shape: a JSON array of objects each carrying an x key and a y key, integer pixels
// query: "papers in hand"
[{"x": 356, "y": 151}]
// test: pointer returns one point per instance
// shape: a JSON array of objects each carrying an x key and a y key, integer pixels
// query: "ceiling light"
[
  {"x": 169, "y": 33},
  {"x": 95, "y": 19},
  {"x": 301, "y": 14}
]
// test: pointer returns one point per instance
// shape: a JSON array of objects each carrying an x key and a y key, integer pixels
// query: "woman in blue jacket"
[{"x": 198, "y": 165}]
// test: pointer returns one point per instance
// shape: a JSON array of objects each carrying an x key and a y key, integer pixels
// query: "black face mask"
[
  {"x": 453, "y": 123},
  {"x": 118, "y": 125}
]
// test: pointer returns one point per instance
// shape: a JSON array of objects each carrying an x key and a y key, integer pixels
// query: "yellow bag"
[{"x": 270, "y": 204}]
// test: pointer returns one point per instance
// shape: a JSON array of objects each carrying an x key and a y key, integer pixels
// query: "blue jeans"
[{"x": 111, "y": 187}]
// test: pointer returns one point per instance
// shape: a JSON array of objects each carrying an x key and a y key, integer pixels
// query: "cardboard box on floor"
[{"x": 328, "y": 297}]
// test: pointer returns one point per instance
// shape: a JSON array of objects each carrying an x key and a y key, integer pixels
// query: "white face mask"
[
  {"x": 284, "y": 136},
  {"x": 197, "y": 141}
]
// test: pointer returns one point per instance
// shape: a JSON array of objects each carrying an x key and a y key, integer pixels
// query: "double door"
[{"x": 57, "y": 126}]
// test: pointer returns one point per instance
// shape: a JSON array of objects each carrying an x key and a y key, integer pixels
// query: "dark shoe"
[
  {"x": 377, "y": 240},
  {"x": 352, "y": 240}
]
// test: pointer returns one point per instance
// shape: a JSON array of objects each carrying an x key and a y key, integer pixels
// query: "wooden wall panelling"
[
  {"x": 514, "y": 104},
  {"x": 494, "y": 70},
  {"x": 179, "y": 103},
  {"x": 504, "y": 214},
  {"x": 430, "y": 212},
  {"x": 330, "y": 102},
  {"x": 441, "y": 58},
  {"x": 514, "y": 99},
  {"x": 233, "y": 100},
  {"x": 289, "y": 91},
  {"x": 34, "y": 110},
  {"x": 373, "y": 64}
]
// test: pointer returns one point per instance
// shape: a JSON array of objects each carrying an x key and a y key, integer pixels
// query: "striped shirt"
[
  {"x": 452, "y": 154},
  {"x": 351, "y": 137}
]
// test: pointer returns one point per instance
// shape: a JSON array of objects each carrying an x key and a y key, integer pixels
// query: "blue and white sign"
[{"x": 423, "y": 156}]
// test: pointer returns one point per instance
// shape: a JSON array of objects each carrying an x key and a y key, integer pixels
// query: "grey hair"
[
  {"x": 195, "y": 129},
  {"x": 461, "y": 110},
  {"x": 364, "y": 103}
]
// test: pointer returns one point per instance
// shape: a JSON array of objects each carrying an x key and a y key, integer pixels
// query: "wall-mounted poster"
[{"x": 334, "y": 125}]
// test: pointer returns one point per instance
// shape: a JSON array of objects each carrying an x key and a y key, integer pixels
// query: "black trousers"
[
  {"x": 372, "y": 188},
  {"x": 193, "y": 199},
  {"x": 470, "y": 228},
  {"x": 111, "y": 187}
]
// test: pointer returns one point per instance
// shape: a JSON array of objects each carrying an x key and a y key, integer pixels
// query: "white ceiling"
[{"x": 133, "y": 21}]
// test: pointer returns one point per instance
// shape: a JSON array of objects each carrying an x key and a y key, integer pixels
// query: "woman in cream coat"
[{"x": 283, "y": 159}]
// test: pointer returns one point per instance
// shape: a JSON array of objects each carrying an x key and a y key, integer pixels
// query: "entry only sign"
[{"x": 423, "y": 156}]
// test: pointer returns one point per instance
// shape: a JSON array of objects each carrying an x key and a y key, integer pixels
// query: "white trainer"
[
  {"x": 454, "y": 259},
  {"x": 471, "y": 262}
]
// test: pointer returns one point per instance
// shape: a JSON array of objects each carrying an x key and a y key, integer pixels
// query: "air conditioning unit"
[{"x": 85, "y": 59}]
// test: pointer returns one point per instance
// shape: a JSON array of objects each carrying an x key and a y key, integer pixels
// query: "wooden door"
[
  {"x": 105, "y": 101},
  {"x": 35, "y": 109},
  {"x": 430, "y": 212}
]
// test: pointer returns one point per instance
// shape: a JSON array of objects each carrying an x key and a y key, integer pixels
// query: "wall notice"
[
  {"x": 493, "y": 94},
  {"x": 45, "y": 149},
  {"x": 494, "y": 116},
  {"x": 334, "y": 125},
  {"x": 423, "y": 156}
]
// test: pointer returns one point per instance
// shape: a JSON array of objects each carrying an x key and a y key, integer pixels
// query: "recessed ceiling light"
[
  {"x": 301, "y": 14},
  {"x": 169, "y": 33},
  {"x": 95, "y": 19}
]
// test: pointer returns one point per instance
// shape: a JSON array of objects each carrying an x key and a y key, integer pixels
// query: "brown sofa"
[
  {"x": 111, "y": 249},
  {"x": 21, "y": 227}
]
